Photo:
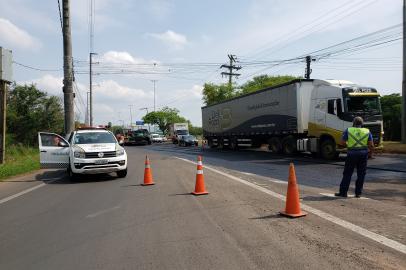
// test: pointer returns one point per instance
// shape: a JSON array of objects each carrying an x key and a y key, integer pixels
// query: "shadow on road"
[
  {"x": 320, "y": 198},
  {"x": 61, "y": 177},
  {"x": 273, "y": 216}
]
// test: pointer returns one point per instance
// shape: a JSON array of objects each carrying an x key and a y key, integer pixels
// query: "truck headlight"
[
  {"x": 120, "y": 152},
  {"x": 78, "y": 152}
]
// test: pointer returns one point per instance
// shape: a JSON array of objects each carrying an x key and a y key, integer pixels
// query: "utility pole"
[
  {"x": 67, "y": 70},
  {"x": 403, "y": 124},
  {"x": 91, "y": 87},
  {"x": 154, "y": 81},
  {"x": 3, "y": 97},
  {"x": 308, "y": 70},
  {"x": 6, "y": 74},
  {"x": 87, "y": 109},
  {"x": 149, "y": 125},
  {"x": 131, "y": 116},
  {"x": 231, "y": 67}
]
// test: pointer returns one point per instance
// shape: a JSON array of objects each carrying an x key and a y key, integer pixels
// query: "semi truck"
[
  {"x": 176, "y": 130},
  {"x": 303, "y": 115}
]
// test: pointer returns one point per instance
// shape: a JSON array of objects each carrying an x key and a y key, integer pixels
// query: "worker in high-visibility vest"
[{"x": 358, "y": 140}]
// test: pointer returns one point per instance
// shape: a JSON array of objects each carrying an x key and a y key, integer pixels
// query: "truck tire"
[
  {"x": 328, "y": 149},
  {"x": 289, "y": 145},
  {"x": 275, "y": 145},
  {"x": 233, "y": 143}
]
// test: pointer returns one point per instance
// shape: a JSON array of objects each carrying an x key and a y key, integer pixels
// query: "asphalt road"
[{"x": 102, "y": 222}]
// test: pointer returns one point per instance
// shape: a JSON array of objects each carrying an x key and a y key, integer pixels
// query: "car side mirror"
[{"x": 63, "y": 144}]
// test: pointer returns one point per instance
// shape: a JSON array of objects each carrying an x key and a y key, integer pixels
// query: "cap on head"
[{"x": 357, "y": 122}]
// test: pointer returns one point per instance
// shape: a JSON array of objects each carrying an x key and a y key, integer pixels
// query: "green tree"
[
  {"x": 391, "y": 111},
  {"x": 30, "y": 110},
  {"x": 213, "y": 93},
  {"x": 264, "y": 81},
  {"x": 163, "y": 118}
]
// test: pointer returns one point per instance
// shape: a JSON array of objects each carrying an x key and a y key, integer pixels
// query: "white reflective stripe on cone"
[
  {"x": 147, "y": 166},
  {"x": 199, "y": 163},
  {"x": 199, "y": 171}
]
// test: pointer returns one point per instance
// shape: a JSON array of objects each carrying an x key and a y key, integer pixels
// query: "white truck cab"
[{"x": 87, "y": 151}]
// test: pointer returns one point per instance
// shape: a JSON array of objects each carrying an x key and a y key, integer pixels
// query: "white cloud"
[
  {"x": 171, "y": 38},
  {"x": 116, "y": 57},
  {"x": 112, "y": 90},
  {"x": 14, "y": 36},
  {"x": 48, "y": 83}
]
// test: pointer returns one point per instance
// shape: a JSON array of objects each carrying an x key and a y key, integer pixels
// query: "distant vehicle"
[
  {"x": 302, "y": 115},
  {"x": 178, "y": 129},
  {"x": 138, "y": 137},
  {"x": 88, "y": 151},
  {"x": 156, "y": 138},
  {"x": 188, "y": 140}
]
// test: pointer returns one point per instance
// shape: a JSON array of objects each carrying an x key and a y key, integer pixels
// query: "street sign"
[{"x": 139, "y": 123}]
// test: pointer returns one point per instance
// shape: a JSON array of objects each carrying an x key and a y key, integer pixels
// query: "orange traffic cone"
[
  {"x": 292, "y": 198},
  {"x": 199, "y": 187},
  {"x": 147, "y": 174}
]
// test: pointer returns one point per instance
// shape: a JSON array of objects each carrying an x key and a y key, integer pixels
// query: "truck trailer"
[{"x": 304, "y": 115}]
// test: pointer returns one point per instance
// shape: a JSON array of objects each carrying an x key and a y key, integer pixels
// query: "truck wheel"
[
  {"x": 289, "y": 145},
  {"x": 233, "y": 143},
  {"x": 275, "y": 145},
  {"x": 328, "y": 150}
]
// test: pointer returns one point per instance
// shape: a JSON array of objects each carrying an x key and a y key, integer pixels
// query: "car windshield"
[
  {"x": 155, "y": 136},
  {"x": 189, "y": 137},
  {"x": 363, "y": 104},
  {"x": 94, "y": 137}
]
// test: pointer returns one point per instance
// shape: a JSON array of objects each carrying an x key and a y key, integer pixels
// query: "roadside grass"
[
  {"x": 19, "y": 159},
  {"x": 394, "y": 147}
]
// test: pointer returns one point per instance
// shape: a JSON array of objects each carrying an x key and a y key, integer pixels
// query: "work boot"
[
  {"x": 357, "y": 195},
  {"x": 338, "y": 194}
]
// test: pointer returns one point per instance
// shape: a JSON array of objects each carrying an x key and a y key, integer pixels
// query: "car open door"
[{"x": 54, "y": 151}]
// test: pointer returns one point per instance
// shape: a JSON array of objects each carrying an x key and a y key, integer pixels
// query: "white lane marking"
[
  {"x": 402, "y": 216},
  {"x": 21, "y": 193},
  {"x": 349, "y": 196},
  {"x": 278, "y": 181},
  {"x": 352, "y": 227},
  {"x": 103, "y": 211},
  {"x": 247, "y": 173}
]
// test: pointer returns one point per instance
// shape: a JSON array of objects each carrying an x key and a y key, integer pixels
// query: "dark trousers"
[{"x": 355, "y": 159}]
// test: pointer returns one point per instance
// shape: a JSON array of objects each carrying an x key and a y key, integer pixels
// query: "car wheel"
[
  {"x": 122, "y": 174},
  {"x": 72, "y": 176}
]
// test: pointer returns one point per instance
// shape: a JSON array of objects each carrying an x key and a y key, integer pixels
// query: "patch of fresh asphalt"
[{"x": 102, "y": 222}]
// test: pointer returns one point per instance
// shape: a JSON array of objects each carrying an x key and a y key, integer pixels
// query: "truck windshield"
[
  {"x": 94, "y": 137},
  {"x": 182, "y": 132},
  {"x": 363, "y": 104}
]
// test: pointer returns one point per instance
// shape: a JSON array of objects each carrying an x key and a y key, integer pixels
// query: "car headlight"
[
  {"x": 120, "y": 152},
  {"x": 78, "y": 152}
]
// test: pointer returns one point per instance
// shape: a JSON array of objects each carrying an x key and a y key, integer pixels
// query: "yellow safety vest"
[{"x": 357, "y": 138}]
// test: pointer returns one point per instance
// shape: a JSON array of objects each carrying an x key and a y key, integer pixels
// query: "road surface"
[{"x": 102, "y": 222}]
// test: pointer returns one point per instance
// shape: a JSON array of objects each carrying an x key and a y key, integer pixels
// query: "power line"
[{"x": 35, "y": 68}]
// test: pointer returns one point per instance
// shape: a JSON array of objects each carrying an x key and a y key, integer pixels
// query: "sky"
[{"x": 181, "y": 44}]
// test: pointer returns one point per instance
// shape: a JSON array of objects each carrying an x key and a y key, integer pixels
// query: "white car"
[
  {"x": 156, "y": 138},
  {"x": 88, "y": 151}
]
